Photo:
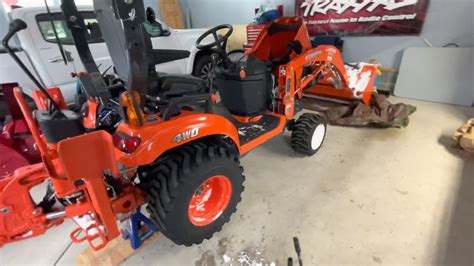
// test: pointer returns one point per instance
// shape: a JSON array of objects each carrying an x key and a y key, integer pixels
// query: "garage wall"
[
  {"x": 206, "y": 13},
  {"x": 447, "y": 22}
]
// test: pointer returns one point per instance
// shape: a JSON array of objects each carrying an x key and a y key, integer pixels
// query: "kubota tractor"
[{"x": 151, "y": 139}]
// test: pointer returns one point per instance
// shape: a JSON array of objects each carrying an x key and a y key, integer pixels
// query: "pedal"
[
  {"x": 89, "y": 231},
  {"x": 94, "y": 236}
]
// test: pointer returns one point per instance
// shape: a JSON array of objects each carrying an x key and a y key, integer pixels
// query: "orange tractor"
[{"x": 159, "y": 140}]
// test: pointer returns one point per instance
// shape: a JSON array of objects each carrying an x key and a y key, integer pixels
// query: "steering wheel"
[{"x": 219, "y": 40}]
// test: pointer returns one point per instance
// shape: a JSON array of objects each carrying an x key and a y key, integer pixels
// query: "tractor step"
[{"x": 251, "y": 131}]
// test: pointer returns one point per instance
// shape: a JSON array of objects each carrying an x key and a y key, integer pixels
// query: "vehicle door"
[
  {"x": 50, "y": 57},
  {"x": 162, "y": 37}
]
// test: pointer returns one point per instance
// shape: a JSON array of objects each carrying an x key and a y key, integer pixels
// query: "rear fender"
[{"x": 161, "y": 136}]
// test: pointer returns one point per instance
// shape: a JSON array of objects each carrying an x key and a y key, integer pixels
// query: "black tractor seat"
[
  {"x": 171, "y": 86},
  {"x": 180, "y": 92}
]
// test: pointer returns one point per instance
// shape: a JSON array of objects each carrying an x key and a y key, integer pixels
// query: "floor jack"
[{"x": 135, "y": 233}]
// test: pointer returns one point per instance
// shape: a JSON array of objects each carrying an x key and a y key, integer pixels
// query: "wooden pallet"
[{"x": 116, "y": 252}]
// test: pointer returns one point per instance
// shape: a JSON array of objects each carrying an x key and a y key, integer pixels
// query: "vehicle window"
[
  {"x": 155, "y": 29},
  {"x": 65, "y": 36}
]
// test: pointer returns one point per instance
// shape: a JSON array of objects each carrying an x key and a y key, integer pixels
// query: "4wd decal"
[{"x": 188, "y": 134}]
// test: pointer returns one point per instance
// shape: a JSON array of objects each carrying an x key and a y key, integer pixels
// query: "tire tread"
[
  {"x": 302, "y": 132},
  {"x": 171, "y": 173}
]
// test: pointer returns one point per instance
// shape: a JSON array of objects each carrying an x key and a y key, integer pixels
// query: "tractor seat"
[{"x": 171, "y": 86}]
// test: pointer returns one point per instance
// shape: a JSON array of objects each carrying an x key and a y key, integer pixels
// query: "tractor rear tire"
[
  {"x": 193, "y": 191},
  {"x": 309, "y": 132}
]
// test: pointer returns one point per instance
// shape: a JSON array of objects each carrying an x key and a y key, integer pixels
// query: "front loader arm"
[
  {"x": 305, "y": 70},
  {"x": 325, "y": 60}
]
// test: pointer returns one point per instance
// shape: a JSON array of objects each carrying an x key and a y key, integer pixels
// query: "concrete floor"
[{"x": 369, "y": 197}]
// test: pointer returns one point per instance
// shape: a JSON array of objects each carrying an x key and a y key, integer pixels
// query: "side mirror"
[{"x": 15, "y": 26}]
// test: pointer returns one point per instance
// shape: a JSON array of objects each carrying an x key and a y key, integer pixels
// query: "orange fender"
[{"x": 161, "y": 136}]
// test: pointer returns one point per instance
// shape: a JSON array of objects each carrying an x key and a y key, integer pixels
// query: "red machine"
[{"x": 16, "y": 143}]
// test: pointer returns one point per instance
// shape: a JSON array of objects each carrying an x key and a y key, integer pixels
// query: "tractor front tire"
[
  {"x": 309, "y": 132},
  {"x": 193, "y": 191}
]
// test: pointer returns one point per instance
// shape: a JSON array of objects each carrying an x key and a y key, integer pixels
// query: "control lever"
[
  {"x": 212, "y": 73},
  {"x": 15, "y": 26},
  {"x": 214, "y": 59}
]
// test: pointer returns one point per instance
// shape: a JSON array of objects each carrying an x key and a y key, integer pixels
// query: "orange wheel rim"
[{"x": 210, "y": 200}]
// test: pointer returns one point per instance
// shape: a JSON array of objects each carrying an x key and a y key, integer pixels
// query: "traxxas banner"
[{"x": 363, "y": 17}]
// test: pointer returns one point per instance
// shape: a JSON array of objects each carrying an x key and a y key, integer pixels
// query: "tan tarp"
[
  {"x": 464, "y": 136},
  {"x": 379, "y": 113}
]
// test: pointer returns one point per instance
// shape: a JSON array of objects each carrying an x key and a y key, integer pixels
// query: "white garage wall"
[
  {"x": 206, "y": 13},
  {"x": 447, "y": 21}
]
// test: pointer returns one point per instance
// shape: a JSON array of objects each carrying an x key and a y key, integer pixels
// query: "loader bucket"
[{"x": 275, "y": 38}]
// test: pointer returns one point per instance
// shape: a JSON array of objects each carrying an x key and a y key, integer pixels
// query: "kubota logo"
[{"x": 188, "y": 134}]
